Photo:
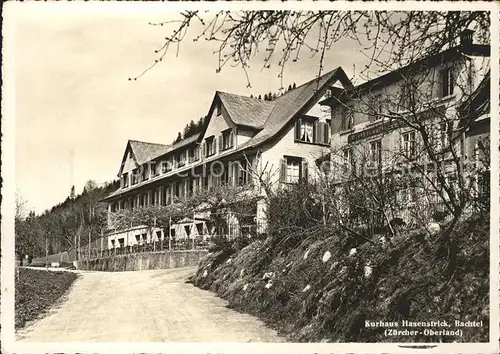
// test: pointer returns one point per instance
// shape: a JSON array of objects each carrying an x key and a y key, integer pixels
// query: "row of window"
[
  {"x": 377, "y": 106},
  {"x": 235, "y": 174},
  {"x": 180, "y": 159},
  {"x": 409, "y": 145}
]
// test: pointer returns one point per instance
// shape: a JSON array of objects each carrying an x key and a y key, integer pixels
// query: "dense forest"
[{"x": 65, "y": 224}]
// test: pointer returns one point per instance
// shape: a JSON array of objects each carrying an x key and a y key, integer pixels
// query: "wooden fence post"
[{"x": 170, "y": 234}]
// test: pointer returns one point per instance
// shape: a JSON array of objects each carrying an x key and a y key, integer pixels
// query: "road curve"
[{"x": 152, "y": 306}]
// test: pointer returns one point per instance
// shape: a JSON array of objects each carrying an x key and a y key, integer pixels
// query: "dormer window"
[
  {"x": 227, "y": 139},
  {"x": 181, "y": 158},
  {"x": 135, "y": 176},
  {"x": 125, "y": 180},
  {"x": 209, "y": 146},
  {"x": 155, "y": 168},
  {"x": 145, "y": 172}
]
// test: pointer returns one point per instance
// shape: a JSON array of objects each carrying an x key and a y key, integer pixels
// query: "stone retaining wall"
[{"x": 144, "y": 261}]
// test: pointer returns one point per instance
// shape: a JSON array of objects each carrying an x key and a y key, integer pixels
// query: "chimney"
[{"x": 466, "y": 37}]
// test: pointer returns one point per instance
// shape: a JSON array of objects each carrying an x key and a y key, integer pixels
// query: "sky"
[{"x": 76, "y": 108}]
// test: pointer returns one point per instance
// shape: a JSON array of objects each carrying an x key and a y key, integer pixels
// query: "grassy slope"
[
  {"x": 311, "y": 300},
  {"x": 37, "y": 291}
]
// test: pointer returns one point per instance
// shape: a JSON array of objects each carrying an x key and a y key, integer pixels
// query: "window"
[
  {"x": 218, "y": 109},
  {"x": 154, "y": 197},
  {"x": 348, "y": 155},
  {"x": 242, "y": 176},
  {"x": 210, "y": 146},
  {"x": 227, "y": 139},
  {"x": 145, "y": 172},
  {"x": 181, "y": 158},
  {"x": 310, "y": 130},
  {"x": 135, "y": 176},
  {"x": 125, "y": 180},
  {"x": 305, "y": 130},
  {"x": 194, "y": 154},
  {"x": 376, "y": 108},
  {"x": 447, "y": 82},
  {"x": 347, "y": 117},
  {"x": 406, "y": 96},
  {"x": 409, "y": 144},
  {"x": 376, "y": 152},
  {"x": 155, "y": 168},
  {"x": 442, "y": 140},
  {"x": 293, "y": 169}
]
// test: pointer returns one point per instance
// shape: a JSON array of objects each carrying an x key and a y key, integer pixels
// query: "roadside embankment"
[{"x": 321, "y": 288}]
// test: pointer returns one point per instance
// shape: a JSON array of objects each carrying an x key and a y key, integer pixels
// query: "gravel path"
[{"x": 153, "y": 306}]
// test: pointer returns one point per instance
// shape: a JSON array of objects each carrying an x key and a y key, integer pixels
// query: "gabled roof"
[
  {"x": 297, "y": 101},
  {"x": 246, "y": 111},
  {"x": 144, "y": 151},
  {"x": 272, "y": 116}
]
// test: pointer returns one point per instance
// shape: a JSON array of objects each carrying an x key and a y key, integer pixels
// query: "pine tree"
[
  {"x": 294, "y": 86},
  {"x": 179, "y": 138},
  {"x": 251, "y": 96},
  {"x": 260, "y": 97},
  {"x": 72, "y": 193},
  {"x": 289, "y": 87}
]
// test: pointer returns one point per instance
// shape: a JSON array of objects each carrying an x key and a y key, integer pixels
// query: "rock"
[
  {"x": 242, "y": 272},
  {"x": 268, "y": 275},
  {"x": 306, "y": 289},
  {"x": 229, "y": 261},
  {"x": 269, "y": 285},
  {"x": 433, "y": 228},
  {"x": 245, "y": 287},
  {"x": 326, "y": 256},
  {"x": 306, "y": 254},
  {"x": 353, "y": 251},
  {"x": 368, "y": 271},
  {"x": 205, "y": 273}
]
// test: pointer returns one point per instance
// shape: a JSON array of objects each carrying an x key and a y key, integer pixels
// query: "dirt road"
[{"x": 153, "y": 306}]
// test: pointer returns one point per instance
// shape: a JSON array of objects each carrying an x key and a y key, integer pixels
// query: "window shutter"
[
  {"x": 219, "y": 146},
  {"x": 283, "y": 170},
  {"x": 317, "y": 132},
  {"x": 297, "y": 129},
  {"x": 304, "y": 172},
  {"x": 327, "y": 133}
]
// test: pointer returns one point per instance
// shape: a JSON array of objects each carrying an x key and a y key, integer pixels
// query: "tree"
[
  {"x": 179, "y": 138},
  {"x": 72, "y": 193},
  {"x": 386, "y": 36}
]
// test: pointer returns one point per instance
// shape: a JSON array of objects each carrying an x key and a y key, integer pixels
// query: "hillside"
[
  {"x": 77, "y": 215},
  {"x": 322, "y": 289}
]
